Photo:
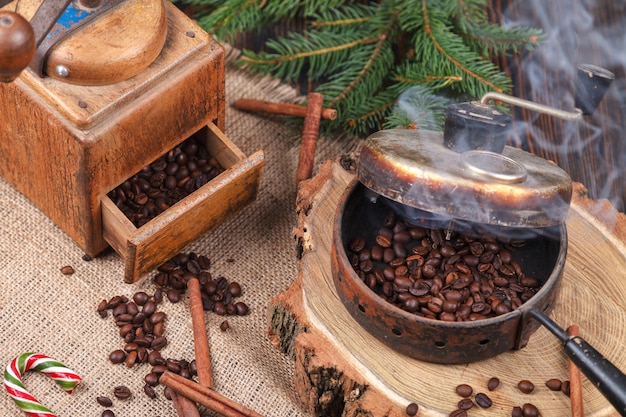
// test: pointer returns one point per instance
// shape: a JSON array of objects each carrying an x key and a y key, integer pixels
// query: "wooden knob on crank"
[{"x": 17, "y": 45}]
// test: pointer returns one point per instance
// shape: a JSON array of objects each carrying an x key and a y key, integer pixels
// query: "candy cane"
[{"x": 63, "y": 376}]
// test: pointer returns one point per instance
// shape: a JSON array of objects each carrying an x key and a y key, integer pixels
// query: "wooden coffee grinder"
[{"x": 110, "y": 87}]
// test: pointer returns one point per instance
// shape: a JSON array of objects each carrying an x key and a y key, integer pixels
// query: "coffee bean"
[
  {"x": 158, "y": 343},
  {"x": 154, "y": 357},
  {"x": 458, "y": 413},
  {"x": 167, "y": 393},
  {"x": 139, "y": 318},
  {"x": 140, "y": 298},
  {"x": 119, "y": 309},
  {"x": 149, "y": 391},
  {"x": 67, "y": 270},
  {"x": 185, "y": 373},
  {"x": 493, "y": 383},
  {"x": 219, "y": 308},
  {"x": 159, "y": 369},
  {"x": 465, "y": 404},
  {"x": 517, "y": 412},
  {"x": 565, "y": 388},
  {"x": 204, "y": 262},
  {"x": 529, "y": 410},
  {"x": 129, "y": 347},
  {"x": 525, "y": 386},
  {"x": 173, "y": 366},
  {"x": 412, "y": 409},
  {"x": 464, "y": 390},
  {"x": 117, "y": 356},
  {"x": 104, "y": 401},
  {"x": 108, "y": 413},
  {"x": 483, "y": 400},
  {"x": 553, "y": 384},
  {"x": 142, "y": 355},
  {"x": 234, "y": 289},
  {"x": 151, "y": 379},
  {"x": 131, "y": 358},
  {"x": 143, "y": 341},
  {"x": 173, "y": 295},
  {"x": 121, "y": 392},
  {"x": 241, "y": 308},
  {"x": 158, "y": 295},
  {"x": 225, "y": 326},
  {"x": 194, "y": 268},
  {"x": 158, "y": 329},
  {"x": 193, "y": 368}
]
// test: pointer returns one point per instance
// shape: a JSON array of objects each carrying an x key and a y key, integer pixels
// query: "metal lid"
[{"x": 415, "y": 169}]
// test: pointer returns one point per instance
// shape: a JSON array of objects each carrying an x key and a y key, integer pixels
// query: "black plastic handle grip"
[{"x": 609, "y": 380}]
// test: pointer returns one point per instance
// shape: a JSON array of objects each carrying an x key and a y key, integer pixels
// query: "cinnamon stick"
[
  {"x": 575, "y": 383},
  {"x": 205, "y": 396},
  {"x": 310, "y": 132},
  {"x": 184, "y": 406},
  {"x": 200, "y": 336},
  {"x": 286, "y": 109}
]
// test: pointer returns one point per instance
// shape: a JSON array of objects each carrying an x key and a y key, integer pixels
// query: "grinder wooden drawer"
[{"x": 145, "y": 248}]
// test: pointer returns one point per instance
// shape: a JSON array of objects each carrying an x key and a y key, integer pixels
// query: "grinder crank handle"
[
  {"x": 19, "y": 38},
  {"x": 25, "y": 43},
  {"x": 609, "y": 380}
]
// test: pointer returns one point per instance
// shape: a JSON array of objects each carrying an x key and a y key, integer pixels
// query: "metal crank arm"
[{"x": 57, "y": 19}]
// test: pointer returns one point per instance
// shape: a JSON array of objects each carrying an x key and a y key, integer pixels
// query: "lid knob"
[{"x": 475, "y": 126}]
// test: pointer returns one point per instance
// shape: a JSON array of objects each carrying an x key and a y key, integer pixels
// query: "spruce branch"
[
  {"x": 453, "y": 50},
  {"x": 382, "y": 39},
  {"x": 321, "y": 51},
  {"x": 368, "y": 57}
]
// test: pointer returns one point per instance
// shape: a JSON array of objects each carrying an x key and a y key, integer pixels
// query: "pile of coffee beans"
[
  {"x": 166, "y": 181},
  {"x": 441, "y": 274},
  {"x": 218, "y": 294},
  {"x": 142, "y": 326}
]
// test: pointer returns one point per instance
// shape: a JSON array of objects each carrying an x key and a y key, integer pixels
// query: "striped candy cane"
[{"x": 63, "y": 376}]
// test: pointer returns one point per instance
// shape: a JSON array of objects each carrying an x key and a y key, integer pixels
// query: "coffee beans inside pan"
[
  {"x": 437, "y": 274},
  {"x": 166, "y": 181}
]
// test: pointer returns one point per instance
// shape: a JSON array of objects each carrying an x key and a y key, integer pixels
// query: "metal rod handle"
[{"x": 531, "y": 105}]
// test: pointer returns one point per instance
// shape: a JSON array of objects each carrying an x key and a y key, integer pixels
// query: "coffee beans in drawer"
[{"x": 163, "y": 183}]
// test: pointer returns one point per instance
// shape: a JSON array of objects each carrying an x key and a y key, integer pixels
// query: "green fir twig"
[{"x": 368, "y": 58}]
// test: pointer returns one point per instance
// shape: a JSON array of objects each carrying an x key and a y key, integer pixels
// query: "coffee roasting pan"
[{"x": 412, "y": 175}]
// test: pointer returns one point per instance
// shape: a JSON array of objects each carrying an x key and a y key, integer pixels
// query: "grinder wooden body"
[{"x": 65, "y": 146}]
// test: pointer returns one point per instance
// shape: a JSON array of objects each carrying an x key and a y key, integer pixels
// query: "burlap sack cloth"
[{"x": 44, "y": 311}]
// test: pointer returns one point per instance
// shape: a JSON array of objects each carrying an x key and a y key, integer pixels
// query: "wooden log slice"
[{"x": 341, "y": 370}]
